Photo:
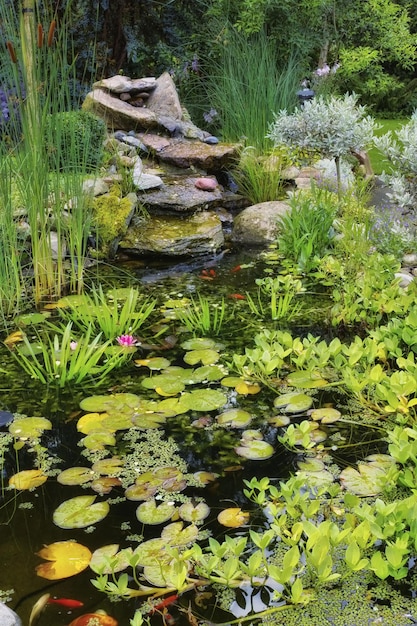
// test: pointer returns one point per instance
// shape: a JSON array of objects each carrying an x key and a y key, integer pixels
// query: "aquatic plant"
[
  {"x": 279, "y": 293},
  {"x": 114, "y": 313},
  {"x": 57, "y": 360},
  {"x": 306, "y": 232},
  {"x": 202, "y": 316}
]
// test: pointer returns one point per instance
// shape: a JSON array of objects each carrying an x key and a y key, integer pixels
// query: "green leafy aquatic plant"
[
  {"x": 279, "y": 293},
  {"x": 113, "y": 314},
  {"x": 306, "y": 232},
  {"x": 203, "y": 316},
  {"x": 61, "y": 360}
]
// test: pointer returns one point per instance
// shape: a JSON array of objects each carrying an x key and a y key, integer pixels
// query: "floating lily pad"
[
  {"x": 150, "y": 512},
  {"x": 255, "y": 450},
  {"x": 190, "y": 512},
  {"x": 108, "y": 467},
  {"x": 66, "y": 558},
  {"x": 73, "y": 301},
  {"x": 384, "y": 461},
  {"x": 321, "y": 478},
  {"x": 167, "y": 384},
  {"x": 236, "y": 418},
  {"x": 205, "y": 478},
  {"x": 293, "y": 402},
  {"x": 90, "y": 422},
  {"x": 206, "y": 357},
  {"x": 208, "y": 372},
  {"x": 233, "y": 517},
  {"x": 105, "y": 484},
  {"x": 151, "y": 552},
  {"x": 109, "y": 403},
  {"x": 327, "y": 415},
  {"x": 279, "y": 420},
  {"x": 29, "y": 427},
  {"x": 165, "y": 576},
  {"x": 367, "y": 480},
  {"x": 306, "y": 380},
  {"x": 172, "y": 406},
  {"x": 199, "y": 343},
  {"x": 203, "y": 400},
  {"x": 176, "y": 535},
  {"x": 154, "y": 363},
  {"x": 98, "y": 440},
  {"x": 31, "y": 319},
  {"x": 80, "y": 512},
  {"x": 109, "y": 559},
  {"x": 28, "y": 479},
  {"x": 75, "y": 476},
  {"x": 311, "y": 465}
]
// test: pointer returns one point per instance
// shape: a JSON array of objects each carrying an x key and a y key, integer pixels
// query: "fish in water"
[
  {"x": 236, "y": 296},
  {"x": 69, "y": 603}
]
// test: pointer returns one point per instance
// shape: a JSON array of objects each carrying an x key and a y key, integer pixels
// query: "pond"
[{"x": 173, "y": 447}]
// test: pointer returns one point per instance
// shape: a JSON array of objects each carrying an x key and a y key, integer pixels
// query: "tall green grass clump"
[
  {"x": 39, "y": 71},
  {"x": 246, "y": 83}
]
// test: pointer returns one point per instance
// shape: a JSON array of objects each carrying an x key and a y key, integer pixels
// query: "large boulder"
[
  {"x": 258, "y": 224},
  {"x": 173, "y": 235}
]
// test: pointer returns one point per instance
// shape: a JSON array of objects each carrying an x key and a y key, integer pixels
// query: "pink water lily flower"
[{"x": 127, "y": 341}]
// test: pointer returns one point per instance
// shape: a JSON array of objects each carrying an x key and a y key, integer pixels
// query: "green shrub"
[{"x": 74, "y": 140}]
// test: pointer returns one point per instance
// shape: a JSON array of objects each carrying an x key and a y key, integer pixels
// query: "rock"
[
  {"x": 211, "y": 140},
  {"x": 258, "y": 224},
  {"x": 119, "y": 114},
  {"x": 405, "y": 278},
  {"x": 182, "y": 197},
  {"x": 8, "y": 617},
  {"x": 124, "y": 84},
  {"x": 410, "y": 260},
  {"x": 206, "y": 184},
  {"x": 147, "y": 181},
  {"x": 164, "y": 100},
  {"x": 200, "y": 155},
  {"x": 95, "y": 186},
  {"x": 154, "y": 143},
  {"x": 174, "y": 235}
]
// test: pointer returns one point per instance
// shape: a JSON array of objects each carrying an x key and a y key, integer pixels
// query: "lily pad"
[
  {"x": 80, "y": 512},
  {"x": 327, "y": 415},
  {"x": 75, "y": 476},
  {"x": 28, "y": 479},
  {"x": 293, "y": 402},
  {"x": 306, "y": 380},
  {"x": 203, "y": 400},
  {"x": 154, "y": 363},
  {"x": 151, "y": 552},
  {"x": 311, "y": 465},
  {"x": 367, "y": 480},
  {"x": 206, "y": 357},
  {"x": 176, "y": 535},
  {"x": 91, "y": 422},
  {"x": 66, "y": 558},
  {"x": 164, "y": 576},
  {"x": 255, "y": 450},
  {"x": 279, "y": 420},
  {"x": 109, "y": 559},
  {"x": 233, "y": 517},
  {"x": 108, "y": 467},
  {"x": 150, "y": 512},
  {"x": 29, "y": 427},
  {"x": 98, "y": 440},
  {"x": 190, "y": 512},
  {"x": 322, "y": 478},
  {"x": 105, "y": 484},
  {"x": 208, "y": 372},
  {"x": 236, "y": 418},
  {"x": 118, "y": 402},
  {"x": 31, "y": 319},
  {"x": 199, "y": 343},
  {"x": 172, "y": 406},
  {"x": 165, "y": 384}
]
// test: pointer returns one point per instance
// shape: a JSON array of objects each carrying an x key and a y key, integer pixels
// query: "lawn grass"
[{"x": 378, "y": 161}]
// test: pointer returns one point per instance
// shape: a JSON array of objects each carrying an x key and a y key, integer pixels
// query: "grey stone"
[
  {"x": 410, "y": 260},
  {"x": 124, "y": 84},
  {"x": 119, "y": 114},
  {"x": 164, "y": 100},
  {"x": 258, "y": 224},
  {"x": 147, "y": 181},
  {"x": 95, "y": 186},
  {"x": 8, "y": 617},
  {"x": 182, "y": 197},
  {"x": 405, "y": 278}
]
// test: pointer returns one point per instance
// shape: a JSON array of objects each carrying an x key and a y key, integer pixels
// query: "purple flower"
[{"x": 126, "y": 341}]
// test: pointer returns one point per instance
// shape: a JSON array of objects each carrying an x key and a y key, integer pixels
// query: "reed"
[{"x": 38, "y": 70}]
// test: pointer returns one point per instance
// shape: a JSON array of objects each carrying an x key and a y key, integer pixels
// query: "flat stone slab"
[
  {"x": 174, "y": 235},
  {"x": 181, "y": 197},
  {"x": 211, "y": 158}
]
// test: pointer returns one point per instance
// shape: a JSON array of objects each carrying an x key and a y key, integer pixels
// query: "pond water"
[{"x": 26, "y": 516}]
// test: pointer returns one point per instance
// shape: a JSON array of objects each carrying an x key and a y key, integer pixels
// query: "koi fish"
[
  {"x": 166, "y": 602},
  {"x": 236, "y": 296},
  {"x": 237, "y": 268},
  {"x": 67, "y": 602},
  {"x": 207, "y": 274}
]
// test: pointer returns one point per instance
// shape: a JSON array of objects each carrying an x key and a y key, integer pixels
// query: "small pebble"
[
  {"x": 206, "y": 184},
  {"x": 211, "y": 140}
]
